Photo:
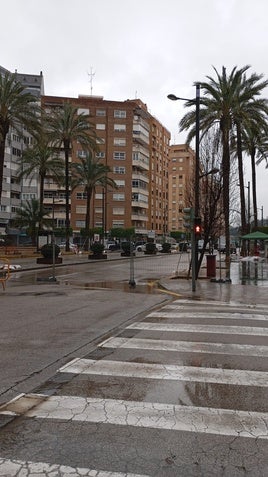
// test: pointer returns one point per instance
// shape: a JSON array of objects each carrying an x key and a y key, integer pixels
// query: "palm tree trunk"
[
  {"x": 254, "y": 191},
  {"x": 87, "y": 224},
  {"x": 241, "y": 185},
  {"x": 66, "y": 146},
  {"x": 2, "y": 158},
  {"x": 226, "y": 195}
]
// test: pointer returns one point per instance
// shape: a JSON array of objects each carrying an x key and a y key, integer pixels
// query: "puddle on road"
[{"x": 148, "y": 286}]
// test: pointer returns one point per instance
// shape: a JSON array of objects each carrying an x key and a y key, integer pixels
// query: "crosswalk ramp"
[{"x": 185, "y": 386}]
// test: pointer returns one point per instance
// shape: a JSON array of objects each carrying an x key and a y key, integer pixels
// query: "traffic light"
[
  {"x": 197, "y": 227},
  {"x": 188, "y": 217}
]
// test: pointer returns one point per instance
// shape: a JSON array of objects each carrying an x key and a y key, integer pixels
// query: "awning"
[{"x": 255, "y": 236}]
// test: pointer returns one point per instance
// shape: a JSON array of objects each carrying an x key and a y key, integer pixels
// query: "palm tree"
[
  {"x": 41, "y": 159},
  {"x": 30, "y": 216},
  {"x": 90, "y": 173},
  {"x": 255, "y": 144},
  {"x": 221, "y": 104},
  {"x": 250, "y": 113},
  {"x": 66, "y": 125},
  {"x": 16, "y": 108}
]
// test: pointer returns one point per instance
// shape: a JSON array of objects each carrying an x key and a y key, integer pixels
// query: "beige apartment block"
[
  {"x": 181, "y": 177},
  {"x": 135, "y": 145}
]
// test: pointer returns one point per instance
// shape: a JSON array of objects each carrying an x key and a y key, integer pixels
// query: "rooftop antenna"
[{"x": 91, "y": 75}]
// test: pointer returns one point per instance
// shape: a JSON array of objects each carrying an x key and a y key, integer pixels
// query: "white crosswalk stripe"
[
  {"x": 186, "y": 346},
  {"x": 168, "y": 372},
  {"x": 234, "y": 330},
  {"x": 17, "y": 468},
  {"x": 153, "y": 415},
  {"x": 245, "y": 340}
]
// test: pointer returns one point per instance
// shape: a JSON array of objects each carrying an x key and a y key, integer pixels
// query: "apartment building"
[
  {"x": 180, "y": 183},
  {"x": 14, "y": 191},
  {"x": 135, "y": 145}
]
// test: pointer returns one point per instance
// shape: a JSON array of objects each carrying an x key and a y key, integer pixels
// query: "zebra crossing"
[{"x": 181, "y": 392}]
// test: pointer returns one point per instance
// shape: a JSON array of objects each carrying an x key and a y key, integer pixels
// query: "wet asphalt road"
[{"x": 136, "y": 383}]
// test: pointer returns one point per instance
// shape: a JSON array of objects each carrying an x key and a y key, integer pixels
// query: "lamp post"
[{"x": 196, "y": 101}]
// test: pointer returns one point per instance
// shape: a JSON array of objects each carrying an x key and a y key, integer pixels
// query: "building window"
[
  {"x": 119, "y": 127},
  {"x": 100, "y": 155},
  {"x": 118, "y": 210},
  {"x": 81, "y": 209},
  {"x": 120, "y": 113},
  {"x": 137, "y": 183},
  {"x": 120, "y": 183},
  {"x": 100, "y": 140},
  {"x": 119, "y": 197},
  {"x": 100, "y": 126},
  {"x": 16, "y": 152},
  {"x": 81, "y": 195},
  {"x": 98, "y": 210},
  {"x": 118, "y": 223},
  {"x": 119, "y": 170},
  {"x": 99, "y": 196},
  {"x": 83, "y": 111},
  {"x": 80, "y": 224},
  {"x": 139, "y": 198},
  {"x": 100, "y": 112},
  {"x": 119, "y": 156},
  {"x": 119, "y": 142},
  {"x": 81, "y": 154}
]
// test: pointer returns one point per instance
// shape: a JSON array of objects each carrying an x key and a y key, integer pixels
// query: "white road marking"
[
  {"x": 186, "y": 346},
  {"x": 185, "y": 328},
  {"x": 153, "y": 415},
  {"x": 221, "y": 304},
  {"x": 208, "y": 315},
  {"x": 169, "y": 372},
  {"x": 15, "y": 468}
]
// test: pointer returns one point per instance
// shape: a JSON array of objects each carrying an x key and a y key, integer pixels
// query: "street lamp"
[{"x": 196, "y": 101}]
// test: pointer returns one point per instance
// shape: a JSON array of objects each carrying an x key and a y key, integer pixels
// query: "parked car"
[
  {"x": 73, "y": 246},
  {"x": 112, "y": 245},
  {"x": 140, "y": 246}
]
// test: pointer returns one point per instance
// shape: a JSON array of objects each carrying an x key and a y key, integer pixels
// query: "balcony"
[
  {"x": 140, "y": 176},
  {"x": 139, "y": 217}
]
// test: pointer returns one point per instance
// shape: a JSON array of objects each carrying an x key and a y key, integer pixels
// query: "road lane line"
[
  {"x": 167, "y": 372},
  {"x": 186, "y": 328},
  {"x": 153, "y": 415},
  {"x": 186, "y": 346}
]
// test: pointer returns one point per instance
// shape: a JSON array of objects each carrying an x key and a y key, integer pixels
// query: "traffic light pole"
[
  {"x": 193, "y": 248},
  {"x": 189, "y": 223}
]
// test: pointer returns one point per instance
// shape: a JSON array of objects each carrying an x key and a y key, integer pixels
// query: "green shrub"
[
  {"x": 47, "y": 250},
  {"x": 97, "y": 248},
  {"x": 166, "y": 247},
  {"x": 150, "y": 247}
]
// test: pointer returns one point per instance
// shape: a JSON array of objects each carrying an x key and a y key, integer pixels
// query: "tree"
[
  {"x": 16, "y": 108},
  {"x": 249, "y": 114},
  {"x": 255, "y": 144},
  {"x": 65, "y": 126},
  {"x": 220, "y": 104},
  {"x": 89, "y": 173},
  {"x": 29, "y": 216},
  {"x": 41, "y": 159}
]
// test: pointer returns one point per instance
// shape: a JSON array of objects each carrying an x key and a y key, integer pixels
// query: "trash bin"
[{"x": 211, "y": 266}]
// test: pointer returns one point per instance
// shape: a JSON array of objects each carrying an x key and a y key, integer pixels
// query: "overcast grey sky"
[{"x": 141, "y": 48}]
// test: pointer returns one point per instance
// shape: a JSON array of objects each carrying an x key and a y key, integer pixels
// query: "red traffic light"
[{"x": 197, "y": 226}]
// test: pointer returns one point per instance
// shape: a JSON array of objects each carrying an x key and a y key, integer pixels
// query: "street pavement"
[{"x": 178, "y": 391}]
